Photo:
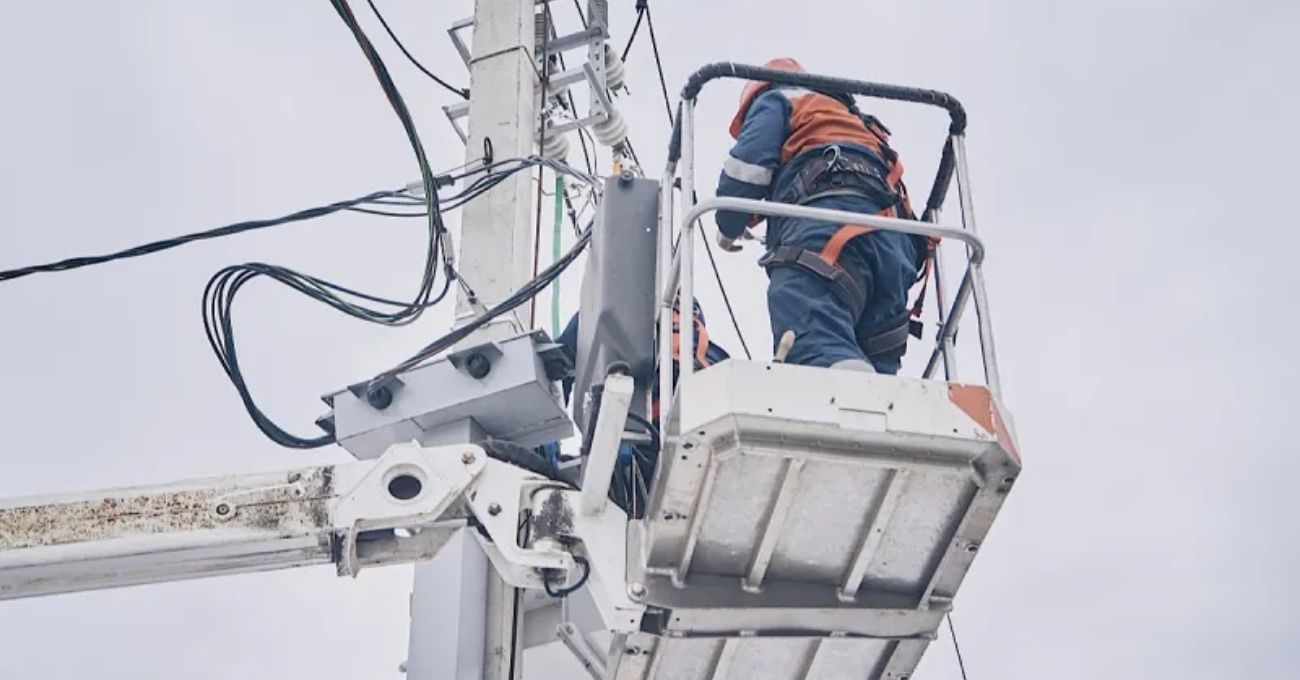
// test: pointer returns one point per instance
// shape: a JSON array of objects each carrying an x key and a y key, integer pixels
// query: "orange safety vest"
[{"x": 701, "y": 340}]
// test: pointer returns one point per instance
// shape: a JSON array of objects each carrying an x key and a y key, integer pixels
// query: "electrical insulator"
[
  {"x": 555, "y": 147},
  {"x": 611, "y": 132},
  {"x": 613, "y": 69}
]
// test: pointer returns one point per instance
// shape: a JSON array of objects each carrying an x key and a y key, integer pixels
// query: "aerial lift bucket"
[{"x": 807, "y": 522}]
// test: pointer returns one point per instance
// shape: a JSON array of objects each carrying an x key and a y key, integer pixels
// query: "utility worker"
[
  {"x": 636, "y": 464},
  {"x": 841, "y": 290},
  {"x": 706, "y": 352}
]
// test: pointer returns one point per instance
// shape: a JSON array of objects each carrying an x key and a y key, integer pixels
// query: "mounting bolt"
[
  {"x": 223, "y": 509},
  {"x": 379, "y": 397},
  {"x": 477, "y": 366},
  {"x": 626, "y": 177},
  {"x": 636, "y": 590},
  {"x": 973, "y": 547},
  {"x": 467, "y": 457},
  {"x": 494, "y": 509}
]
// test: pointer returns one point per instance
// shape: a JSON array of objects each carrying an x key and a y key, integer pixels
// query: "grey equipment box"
[
  {"x": 618, "y": 296},
  {"x": 442, "y": 401}
]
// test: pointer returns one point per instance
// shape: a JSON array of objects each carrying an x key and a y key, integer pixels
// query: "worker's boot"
[{"x": 854, "y": 365}]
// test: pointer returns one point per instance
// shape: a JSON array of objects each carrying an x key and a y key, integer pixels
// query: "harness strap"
[
  {"x": 842, "y": 283},
  {"x": 825, "y": 264},
  {"x": 926, "y": 269},
  {"x": 891, "y": 337},
  {"x": 701, "y": 344},
  {"x": 835, "y": 246},
  {"x": 701, "y": 341}
]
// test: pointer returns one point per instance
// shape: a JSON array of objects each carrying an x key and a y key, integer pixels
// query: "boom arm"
[{"x": 398, "y": 508}]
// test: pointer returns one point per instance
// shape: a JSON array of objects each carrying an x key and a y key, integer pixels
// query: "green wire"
[{"x": 555, "y": 254}]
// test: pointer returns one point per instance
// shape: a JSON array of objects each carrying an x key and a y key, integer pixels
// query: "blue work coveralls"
[
  {"x": 625, "y": 491},
  {"x": 884, "y": 263}
]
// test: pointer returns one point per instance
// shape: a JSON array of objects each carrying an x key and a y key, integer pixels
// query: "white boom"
[{"x": 399, "y": 508}]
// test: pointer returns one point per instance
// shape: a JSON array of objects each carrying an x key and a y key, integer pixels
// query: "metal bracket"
[
  {"x": 592, "y": 70},
  {"x": 497, "y": 504},
  {"x": 404, "y": 488},
  {"x": 584, "y": 649}
]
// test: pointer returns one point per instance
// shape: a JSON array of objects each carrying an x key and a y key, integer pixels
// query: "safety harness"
[
  {"x": 844, "y": 171},
  {"x": 701, "y": 340},
  {"x": 701, "y": 350}
]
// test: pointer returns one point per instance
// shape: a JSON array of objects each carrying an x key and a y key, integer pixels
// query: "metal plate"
[{"x": 647, "y": 657}]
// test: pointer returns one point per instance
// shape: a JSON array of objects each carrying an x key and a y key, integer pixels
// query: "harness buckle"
[{"x": 835, "y": 157}]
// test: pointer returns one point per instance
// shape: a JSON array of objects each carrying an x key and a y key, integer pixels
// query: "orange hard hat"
[{"x": 756, "y": 87}]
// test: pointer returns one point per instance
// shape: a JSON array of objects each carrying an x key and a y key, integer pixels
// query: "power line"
[
  {"x": 410, "y": 312},
  {"x": 519, "y": 297},
  {"x": 541, "y": 137},
  {"x": 956, "y": 647},
  {"x": 654, "y": 45},
  {"x": 219, "y": 294},
  {"x": 219, "y": 232},
  {"x": 663, "y": 86},
  {"x": 725, "y": 298},
  {"x": 388, "y": 213},
  {"x": 459, "y": 91},
  {"x": 640, "y": 14}
]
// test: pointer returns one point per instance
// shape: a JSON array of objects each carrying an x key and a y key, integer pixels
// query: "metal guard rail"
[
  {"x": 672, "y": 276},
  {"x": 956, "y": 112},
  {"x": 947, "y": 328}
]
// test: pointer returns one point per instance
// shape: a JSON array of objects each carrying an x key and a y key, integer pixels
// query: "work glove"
[{"x": 733, "y": 245}]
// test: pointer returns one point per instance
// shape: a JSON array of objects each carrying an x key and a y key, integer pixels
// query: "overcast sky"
[{"x": 1128, "y": 157}]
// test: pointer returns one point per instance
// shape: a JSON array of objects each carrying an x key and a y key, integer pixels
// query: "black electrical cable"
[
  {"x": 583, "y": 135},
  {"x": 717, "y": 275},
  {"x": 541, "y": 136},
  {"x": 436, "y": 227},
  {"x": 635, "y": 27},
  {"x": 399, "y": 200},
  {"x": 631, "y": 151},
  {"x": 396, "y": 197},
  {"x": 519, "y": 297},
  {"x": 460, "y": 91},
  {"x": 492, "y": 175},
  {"x": 167, "y": 244},
  {"x": 961, "y": 664},
  {"x": 219, "y": 294},
  {"x": 726, "y": 299},
  {"x": 654, "y": 45},
  {"x": 386, "y": 213},
  {"x": 582, "y": 580},
  {"x": 650, "y": 428}
]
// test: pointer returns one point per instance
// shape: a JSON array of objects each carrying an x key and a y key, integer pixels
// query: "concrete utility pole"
[
  {"x": 465, "y": 620},
  {"x": 496, "y": 235}
]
